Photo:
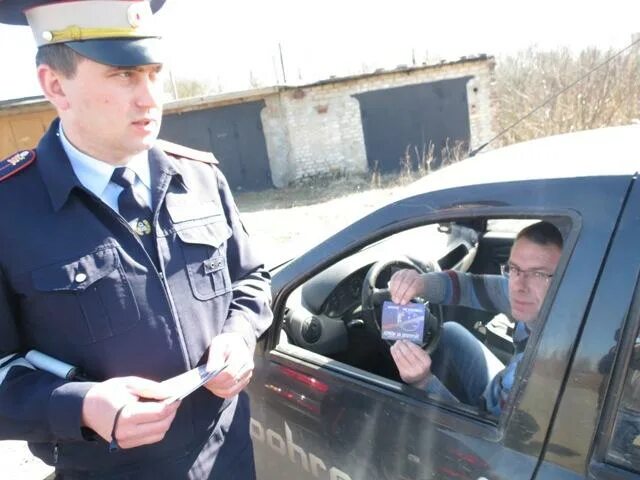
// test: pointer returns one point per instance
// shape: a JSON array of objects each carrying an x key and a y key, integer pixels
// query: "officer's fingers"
[
  {"x": 219, "y": 388},
  {"x": 245, "y": 377},
  {"x": 145, "y": 388},
  {"x": 101, "y": 403},
  {"x": 138, "y": 442},
  {"x": 223, "y": 347},
  {"x": 236, "y": 385},
  {"x": 233, "y": 391},
  {"x": 148, "y": 412},
  {"x": 222, "y": 380},
  {"x": 239, "y": 364},
  {"x": 217, "y": 357},
  {"x": 129, "y": 432},
  {"x": 230, "y": 390}
]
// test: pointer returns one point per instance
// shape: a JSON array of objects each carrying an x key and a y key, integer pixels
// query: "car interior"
[{"x": 337, "y": 313}]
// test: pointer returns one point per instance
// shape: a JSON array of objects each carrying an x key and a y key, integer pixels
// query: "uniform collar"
[
  {"x": 163, "y": 168},
  {"x": 55, "y": 167},
  {"x": 94, "y": 174},
  {"x": 60, "y": 178},
  {"x": 162, "y": 164}
]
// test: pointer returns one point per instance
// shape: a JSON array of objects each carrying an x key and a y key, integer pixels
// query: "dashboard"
[
  {"x": 325, "y": 310},
  {"x": 346, "y": 296}
]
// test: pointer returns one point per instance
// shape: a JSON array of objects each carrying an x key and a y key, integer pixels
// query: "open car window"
[{"x": 328, "y": 315}]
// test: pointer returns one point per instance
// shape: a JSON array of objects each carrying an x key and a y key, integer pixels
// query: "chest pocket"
[
  {"x": 87, "y": 299},
  {"x": 203, "y": 232}
]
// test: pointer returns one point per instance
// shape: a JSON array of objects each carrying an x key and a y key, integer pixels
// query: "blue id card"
[{"x": 403, "y": 322}]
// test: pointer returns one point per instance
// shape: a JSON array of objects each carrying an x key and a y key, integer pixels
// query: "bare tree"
[{"x": 608, "y": 96}]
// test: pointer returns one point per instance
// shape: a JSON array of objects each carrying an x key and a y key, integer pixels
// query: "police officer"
[{"x": 126, "y": 260}]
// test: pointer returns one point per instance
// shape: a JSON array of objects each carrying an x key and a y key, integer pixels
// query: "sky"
[{"x": 236, "y": 44}]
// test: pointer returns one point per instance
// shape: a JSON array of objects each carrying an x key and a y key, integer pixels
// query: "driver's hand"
[
  {"x": 414, "y": 364},
  {"x": 405, "y": 285}
]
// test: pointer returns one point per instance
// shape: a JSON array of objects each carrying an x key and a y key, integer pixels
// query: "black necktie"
[{"x": 135, "y": 210}]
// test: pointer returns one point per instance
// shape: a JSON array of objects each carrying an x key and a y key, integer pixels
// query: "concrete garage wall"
[
  {"x": 317, "y": 129},
  {"x": 321, "y": 134}
]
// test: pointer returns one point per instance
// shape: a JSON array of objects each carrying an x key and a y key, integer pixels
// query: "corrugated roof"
[
  {"x": 400, "y": 68},
  {"x": 21, "y": 102}
]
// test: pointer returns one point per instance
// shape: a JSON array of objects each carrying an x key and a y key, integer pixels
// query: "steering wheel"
[{"x": 373, "y": 297}]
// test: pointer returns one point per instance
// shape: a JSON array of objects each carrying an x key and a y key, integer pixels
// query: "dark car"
[{"x": 327, "y": 400}]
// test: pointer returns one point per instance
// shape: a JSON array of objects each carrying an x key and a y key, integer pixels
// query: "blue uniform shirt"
[{"x": 95, "y": 175}]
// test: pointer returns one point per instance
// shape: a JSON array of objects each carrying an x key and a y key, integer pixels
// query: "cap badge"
[
  {"x": 138, "y": 13},
  {"x": 142, "y": 227}
]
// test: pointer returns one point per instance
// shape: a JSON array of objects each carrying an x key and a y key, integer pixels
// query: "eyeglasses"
[{"x": 509, "y": 270}]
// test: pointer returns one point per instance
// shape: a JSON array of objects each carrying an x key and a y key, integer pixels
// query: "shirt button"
[{"x": 80, "y": 277}]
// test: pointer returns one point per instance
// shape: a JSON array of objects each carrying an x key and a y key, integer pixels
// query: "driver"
[{"x": 462, "y": 368}]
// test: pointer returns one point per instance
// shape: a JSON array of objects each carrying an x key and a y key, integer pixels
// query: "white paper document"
[{"x": 184, "y": 384}]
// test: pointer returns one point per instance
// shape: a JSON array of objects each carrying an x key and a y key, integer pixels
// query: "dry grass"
[{"x": 609, "y": 96}]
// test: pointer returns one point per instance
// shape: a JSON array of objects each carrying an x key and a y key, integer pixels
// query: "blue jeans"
[{"x": 462, "y": 366}]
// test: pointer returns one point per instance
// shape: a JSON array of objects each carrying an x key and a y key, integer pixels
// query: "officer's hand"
[
  {"x": 405, "y": 285},
  {"x": 414, "y": 364},
  {"x": 229, "y": 348},
  {"x": 140, "y": 422}
]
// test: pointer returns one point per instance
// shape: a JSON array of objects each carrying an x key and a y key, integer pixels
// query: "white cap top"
[{"x": 91, "y": 20}]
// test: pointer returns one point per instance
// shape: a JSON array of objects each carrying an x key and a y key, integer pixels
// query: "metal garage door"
[
  {"x": 412, "y": 116},
  {"x": 233, "y": 133}
]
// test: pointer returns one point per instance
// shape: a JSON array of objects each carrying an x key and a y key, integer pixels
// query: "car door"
[
  {"x": 315, "y": 417},
  {"x": 601, "y": 391}
]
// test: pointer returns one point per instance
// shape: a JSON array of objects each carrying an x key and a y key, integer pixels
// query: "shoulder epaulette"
[
  {"x": 16, "y": 162},
  {"x": 181, "y": 151}
]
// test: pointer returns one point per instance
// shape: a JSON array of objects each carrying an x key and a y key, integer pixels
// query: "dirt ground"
[
  {"x": 282, "y": 223},
  {"x": 285, "y": 223}
]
